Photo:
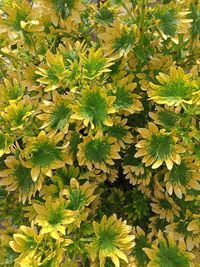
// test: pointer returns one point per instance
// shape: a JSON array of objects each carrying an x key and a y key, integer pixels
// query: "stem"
[
  {"x": 128, "y": 11},
  {"x": 87, "y": 239},
  {"x": 73, "y": 259},
  {"x": 74, "y": 256},
  {"x": 35, "y": 49},
  {"x": 142, "y": 16},
  {"x": 53, "y": 44}
]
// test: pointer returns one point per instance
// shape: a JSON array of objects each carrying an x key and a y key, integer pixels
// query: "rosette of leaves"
[
  {"x": 180, "y": 230},
  {"x": 120, "y": 38},
  {"x": 168, "y": 117},
  {"x": 112, "y": 239},
  {"x": 142, "y": 240},
  {"x": 121, "y": 132},
  {"x": 174, "y": 89},
  {"x": 42, "y": 155},
  {"x": 79, "y": 197},
  {"x": 11, "y": 90},
  {"x": 170, "y": 21},
  {"x": 53, "y": 73},
  {"x": 53, "y": 217},
  {"x": 71, "y": 53},
  {"x": 18, "y": 178},
  {"x": 95, "y": 63},
  {"x": 55, "y": 114},
  {"x": 19, "y": 15},
  {"x": 126, "y": 101},
  {"x": 94, "y": 107},
  {"x": 37, "y": 249},
  {"x": 136, "y": 205},
  {"x": 17, "y": 115},
  {"x": 64, "y": 9},
  {"x": 182, "y": 177},
  {"x": 25, "y": 243},
  {"x": 98, "y": 152},
  {"x": 165, "y": 252},
  {"x": 92, "y": 75},
  {"x": 164, "y": 205},
  {"x": 158, "y": 147}
]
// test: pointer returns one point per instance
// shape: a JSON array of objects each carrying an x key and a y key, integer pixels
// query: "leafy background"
[{"x": 99, "y": 133}]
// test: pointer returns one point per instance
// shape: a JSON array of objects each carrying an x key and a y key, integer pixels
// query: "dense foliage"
[{"x": 99, "y": 133}]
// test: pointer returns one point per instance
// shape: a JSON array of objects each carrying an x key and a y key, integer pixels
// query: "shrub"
[{"x": 99, "y": 133}]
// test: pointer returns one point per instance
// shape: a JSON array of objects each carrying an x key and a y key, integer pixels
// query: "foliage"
[{"x": 99, "y": 133}]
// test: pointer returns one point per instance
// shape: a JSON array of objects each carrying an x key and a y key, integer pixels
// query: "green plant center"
[
  {"x": 20, "y": 16},
  {"x": 14, "y": 92},
  {"x": 165, "y": 204},
  {"x": 24, "y": 178},
  {"x": 124, "y": 42},
  {"x": 160, "y": 224},
  {"x": 118, "y": 131},
  {"x": 123, "y": 98},
  {"x": 70, "y": 56},
  {"x": 54, "y": 72},
  {"x": 107, "y": 237},
  {"x": 94, "y": 107},
  {"x": 64, "y": 7},
  {"x": 176, "y": 89},
  {"x": 44, "y": 154},
  {"x": 30, "y": 243},
  {"x": 55, "y": 216},
  {"x": 181, "y": 228},
  {"x": 104, "y": 15},
  {"x": 77, "y": 199},
  {"x": 18, "y": 116},
  {"x": 93, "y": 66},
  {"x": 171, "y": 257},
  {"x": 168, "y": 118},
  {"x": 97, "y": 150},
  {"x": 168, "y": 21},
  {"x": 160, "y": 146},
  {"x": 60, "y": 116},
  {"x": 180, "y": 174}
]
